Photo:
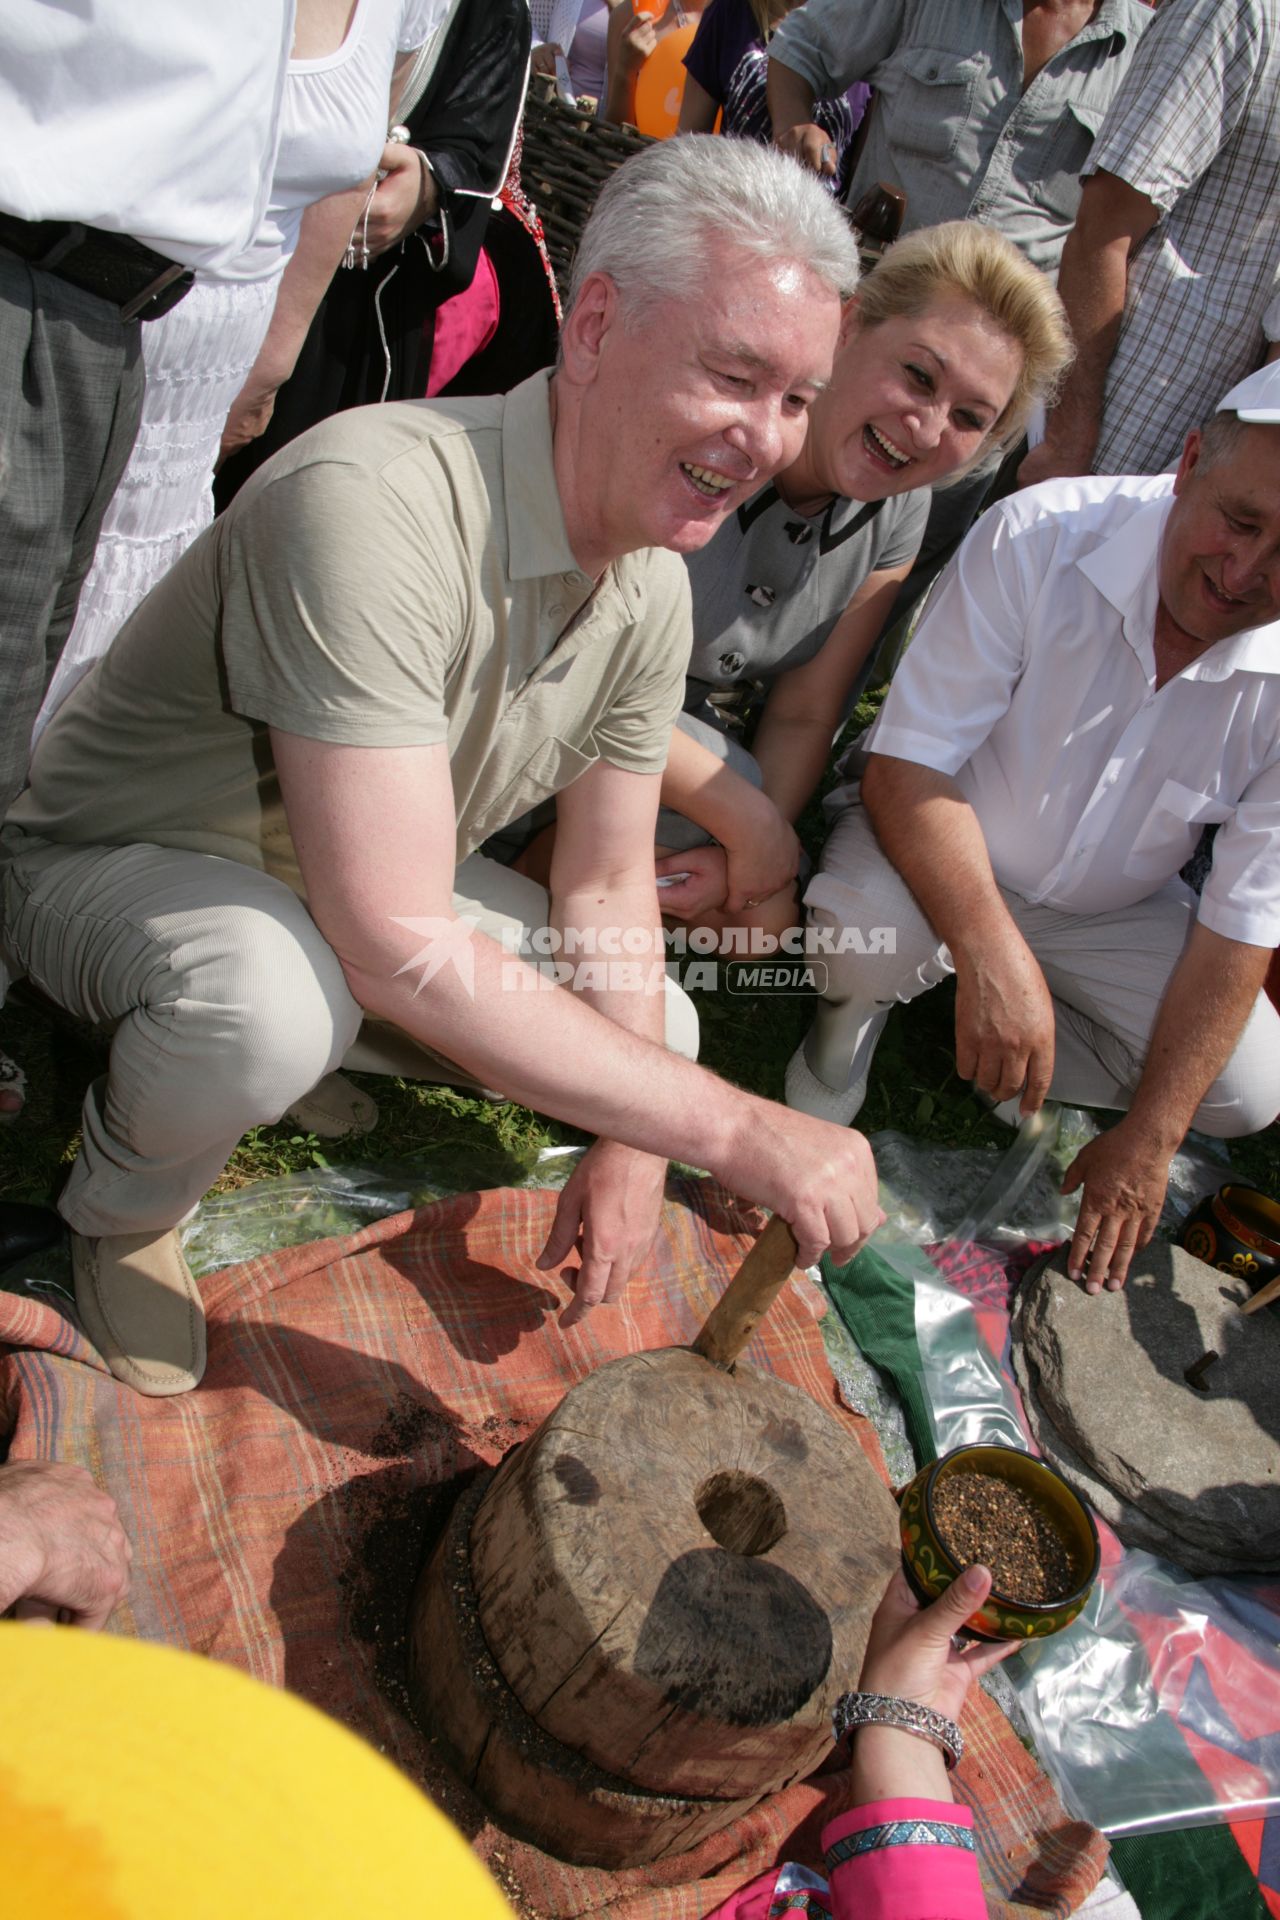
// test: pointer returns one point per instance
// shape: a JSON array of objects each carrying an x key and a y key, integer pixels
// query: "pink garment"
[
  {"x": 903, "y": 1881},
  {"x": 463, "y": 325}
]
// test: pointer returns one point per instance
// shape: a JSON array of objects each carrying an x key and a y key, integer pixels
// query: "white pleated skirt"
[{"x": 197, "y": 359}]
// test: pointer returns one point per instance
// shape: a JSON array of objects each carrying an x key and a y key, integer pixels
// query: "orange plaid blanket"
[{"x": 280, "y": 1514}]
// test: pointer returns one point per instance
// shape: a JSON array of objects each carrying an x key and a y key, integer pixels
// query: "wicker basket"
[{"x": 566, "y": 160}]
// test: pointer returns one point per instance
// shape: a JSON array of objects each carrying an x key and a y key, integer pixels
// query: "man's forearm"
[
  {"x": 1092, "y": 281},
  {"x": 790, "y": 98},
  {"x": 699, "y": 785},
  {"x": 792, "y": 752},
  {"x": 552, "y": 1050},
  {"x": 1206, "y": 1005},
  {"x": 620, "y": 931},
  {"x": 931, "y": 834}
]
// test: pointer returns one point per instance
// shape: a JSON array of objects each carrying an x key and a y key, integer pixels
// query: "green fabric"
[
  {"x": 1198, "y": 1873},
  {"x": 874, "y": 1295},
  {"x": 1195, "y": 1873}
]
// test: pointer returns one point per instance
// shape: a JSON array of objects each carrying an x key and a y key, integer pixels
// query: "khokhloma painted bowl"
[
  {"x": 930, "y": 1566},
  {"x": 1237, "y": 1231}
]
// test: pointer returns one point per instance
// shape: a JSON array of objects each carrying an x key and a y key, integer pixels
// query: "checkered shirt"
[{"x": 1196, "y": 127}]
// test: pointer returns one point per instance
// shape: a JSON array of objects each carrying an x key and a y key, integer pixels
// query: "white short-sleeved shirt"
[
  {"x": 144, "y": 117},
  {"x": 335, "y": 118},
  {"x": 1032, "y": 682}
]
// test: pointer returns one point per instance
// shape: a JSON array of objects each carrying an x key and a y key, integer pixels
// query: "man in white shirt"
[
  {"x": 139, "y": 143},
  {"x": 139, "y": 147},
  {"x": 1098, "y": 680}
]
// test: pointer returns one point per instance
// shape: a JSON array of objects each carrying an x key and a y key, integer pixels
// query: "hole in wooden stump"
[{"x": 742, "y": 1514}]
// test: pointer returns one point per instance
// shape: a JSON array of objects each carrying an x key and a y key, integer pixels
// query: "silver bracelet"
[{"x": 854, "y": 1710}]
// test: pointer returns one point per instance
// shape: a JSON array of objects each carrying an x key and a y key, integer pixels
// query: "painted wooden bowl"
[
  {"x": 931, "y": 1564},
  {"x": 1237, "y": 1231}
]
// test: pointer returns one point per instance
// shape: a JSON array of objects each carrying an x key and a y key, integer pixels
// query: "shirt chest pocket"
[
  {"x": 552, "y": 766},
  {"x": 929, "y": 94},
  {"x": 1050, "y": 164},
  {"x": 1167, "y": 837}
]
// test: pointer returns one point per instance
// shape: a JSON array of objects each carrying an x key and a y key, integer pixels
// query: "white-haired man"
[
  {"x": 1098, "y": 679},
  {"x": 412, "y": 625}
]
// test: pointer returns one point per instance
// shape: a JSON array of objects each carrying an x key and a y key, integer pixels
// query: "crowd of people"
[{"x": 312, "y": 784}]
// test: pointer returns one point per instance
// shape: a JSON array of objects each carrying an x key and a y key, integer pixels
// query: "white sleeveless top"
[{"x": 334, "y": 120}]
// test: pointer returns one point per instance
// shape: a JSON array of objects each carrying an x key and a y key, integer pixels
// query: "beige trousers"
[
  {"x": 224, "y": 1004},
  {"x": 1107, "y": 973}
]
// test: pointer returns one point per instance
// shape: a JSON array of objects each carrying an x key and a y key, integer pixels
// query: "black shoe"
[{"x": 26, "y": 1230}]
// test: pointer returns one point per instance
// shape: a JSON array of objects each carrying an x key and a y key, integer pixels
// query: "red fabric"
[
  {"x": 464, "y": 325},
  {"x": 1247, "y": 1694}
]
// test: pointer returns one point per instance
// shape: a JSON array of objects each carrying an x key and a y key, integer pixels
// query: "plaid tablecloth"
[{"x": 279, "y": 1515}]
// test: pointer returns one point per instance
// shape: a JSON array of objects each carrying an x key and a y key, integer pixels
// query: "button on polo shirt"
[{"x": 400, "y": 576}]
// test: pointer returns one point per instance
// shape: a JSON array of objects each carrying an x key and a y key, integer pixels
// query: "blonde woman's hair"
[{"x": 964, "y": 258}]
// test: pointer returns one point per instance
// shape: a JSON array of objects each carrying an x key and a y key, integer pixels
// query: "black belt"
[{"x": 141, "y": 282}]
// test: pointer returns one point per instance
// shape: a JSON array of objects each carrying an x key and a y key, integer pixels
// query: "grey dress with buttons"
[{"x": 767, "y": 591}]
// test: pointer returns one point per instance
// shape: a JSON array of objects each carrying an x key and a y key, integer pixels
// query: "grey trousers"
[
  {"x": 70, "y": 399},
  {"x": 224, "y": 1003},
  {"x": 1107, "y": 973}
]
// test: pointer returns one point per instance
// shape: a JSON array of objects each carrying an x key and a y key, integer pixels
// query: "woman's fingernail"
[{"x": 970, "y": 1579}]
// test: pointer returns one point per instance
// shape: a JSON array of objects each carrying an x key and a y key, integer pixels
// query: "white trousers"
[
  {"x": 224, "y": 1002},
  {"x": 1107, "y": 973}
]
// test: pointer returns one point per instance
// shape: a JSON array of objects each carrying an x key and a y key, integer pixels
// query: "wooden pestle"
[
  {"x": 748, "y": 1296},
  {"x": 1263, "y": 1297}
]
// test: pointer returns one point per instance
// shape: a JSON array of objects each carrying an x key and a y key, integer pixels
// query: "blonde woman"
[{"x": 944, "y": 351}]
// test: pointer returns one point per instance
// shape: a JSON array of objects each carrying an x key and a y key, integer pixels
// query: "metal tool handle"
[{"x": 748, "y": 1296}]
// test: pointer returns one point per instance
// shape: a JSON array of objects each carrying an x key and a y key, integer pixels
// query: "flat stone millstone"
[
  {"x": 1193, "y": 1476},
  {"x": 1135, "y": 1528}
]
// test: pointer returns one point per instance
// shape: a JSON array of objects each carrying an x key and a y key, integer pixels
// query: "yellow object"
[
  {"x": 138, "y": 1783},
  {"x": 660, "y": 83}
]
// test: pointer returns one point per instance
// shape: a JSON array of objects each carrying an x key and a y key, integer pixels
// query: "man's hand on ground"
[
  {"x": 607, "y": 1216},
  {"x": 1124, "y": 1177},
  {"x": 1004, "y": 1023},
  {"x": 63, "y": 1553}
]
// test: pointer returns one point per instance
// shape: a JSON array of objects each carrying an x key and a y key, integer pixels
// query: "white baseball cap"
[{"x": 1257, "y": 398}]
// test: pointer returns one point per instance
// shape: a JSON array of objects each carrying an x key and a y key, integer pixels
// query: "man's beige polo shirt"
[{"x": 399, "y": 576}]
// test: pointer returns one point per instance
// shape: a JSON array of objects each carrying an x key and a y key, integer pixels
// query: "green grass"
[{"x": 746, "y": 1038}]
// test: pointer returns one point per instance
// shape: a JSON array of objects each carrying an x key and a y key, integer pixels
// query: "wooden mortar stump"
[
  {"x": 676, "y": 1574},
  {"x": 536, "y": 1789}
]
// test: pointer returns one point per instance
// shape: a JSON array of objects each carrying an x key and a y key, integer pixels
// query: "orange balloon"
[{"x": 660, "y": 83}]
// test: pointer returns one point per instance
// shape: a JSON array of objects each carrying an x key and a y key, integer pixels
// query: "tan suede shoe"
[
  {"x": 139, "y": 1306},
  {"x": 334, "y": 1109}
]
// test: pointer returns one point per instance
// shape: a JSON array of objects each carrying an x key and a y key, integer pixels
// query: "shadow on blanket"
[{"x": 280, "y": 1514}]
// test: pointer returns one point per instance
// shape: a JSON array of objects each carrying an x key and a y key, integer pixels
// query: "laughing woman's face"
[{"x": 910, "y": 402}]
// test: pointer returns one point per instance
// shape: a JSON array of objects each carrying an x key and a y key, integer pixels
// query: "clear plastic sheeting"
[
  {"x": 324, "y": 1203},
  {"x": 1160, "y": 1707},
  {"x": 1160, "y": 1667},
  {"x": 321, "y": 1203},
  {"x": 933, "y": 1193}
]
